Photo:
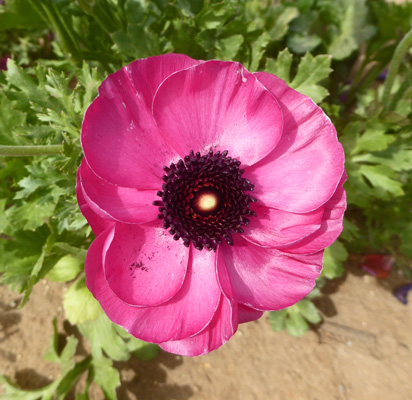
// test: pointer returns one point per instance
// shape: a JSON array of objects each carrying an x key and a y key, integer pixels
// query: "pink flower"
[{"x": 154, "y": 204}]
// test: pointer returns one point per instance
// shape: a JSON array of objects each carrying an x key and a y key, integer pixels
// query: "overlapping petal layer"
[
  {"x": 137, "y": 271},
  {"x": 186, "y": 107},
  {"x": 267, "y": 279},
  {"x": 304, "y": 169},
  {"x": 119, "y": 203},
  {"x": 189, "y": 312},
  {"x": 120, "y": 140},
  {"x": 153, "y": 112}
]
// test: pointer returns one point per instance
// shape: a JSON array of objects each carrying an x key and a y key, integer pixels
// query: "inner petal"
[
  {"x": 143, "y": 267},
  {"x": 218, "y": 104}
]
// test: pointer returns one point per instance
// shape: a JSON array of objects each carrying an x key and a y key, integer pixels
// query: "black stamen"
[{"x": 204, "y": 200}]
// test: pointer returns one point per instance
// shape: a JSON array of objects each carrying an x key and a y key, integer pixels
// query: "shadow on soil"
[{"x": 147, "y": 380}]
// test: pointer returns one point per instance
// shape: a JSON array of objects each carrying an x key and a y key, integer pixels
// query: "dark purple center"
[{"x": 204, "y": 200}]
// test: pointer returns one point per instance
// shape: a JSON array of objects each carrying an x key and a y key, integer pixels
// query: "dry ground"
[{"x": 363, "y": 351}]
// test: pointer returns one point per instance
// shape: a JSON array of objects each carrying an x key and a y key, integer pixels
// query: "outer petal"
[
  {"x": 221, "y": 328},
  {"x": 218, "y": 105},
  {"x": 330, "y": 229},
  {"x": 274, "y": 228},
  {"x": 217, "y": 333},
  {"x": 247, "y": 314},
  {"x": 266, "y": 279},
  {"x": 304, "y": 169},
  {"x": 144, "y": 266},
  {"x": 186, "y": 314},
  {"x": 120, "y": 140},
  {"x": 121, "y": 204},
  {"x": 96, "y": 222}
]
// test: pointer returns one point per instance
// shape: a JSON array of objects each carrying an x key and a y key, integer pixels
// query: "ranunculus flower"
[{"x": 212, "y": 192}]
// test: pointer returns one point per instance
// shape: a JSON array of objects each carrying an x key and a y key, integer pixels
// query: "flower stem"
[
  {"x": 397, "y": 58},
  {"x": 22, "y": 151}
]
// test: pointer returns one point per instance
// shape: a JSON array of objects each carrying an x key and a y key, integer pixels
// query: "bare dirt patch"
[{"x": 362, "y": 351}]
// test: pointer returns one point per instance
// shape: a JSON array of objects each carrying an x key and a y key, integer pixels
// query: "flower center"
[{"x": 204, "y": 200}]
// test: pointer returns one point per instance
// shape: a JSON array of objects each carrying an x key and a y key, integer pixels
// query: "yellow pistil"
[{"x": 207, "y": 202}]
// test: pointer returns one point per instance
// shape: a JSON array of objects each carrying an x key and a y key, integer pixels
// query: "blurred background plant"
[{"x": 351, "y": 56}]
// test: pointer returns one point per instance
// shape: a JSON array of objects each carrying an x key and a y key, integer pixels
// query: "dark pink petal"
[
  {"x": 148, "y": 73},
  {"x": 220, "y": 329},
  {"x": 217, "y": 333},
  {"x": 218, "y": 105},
  {"x": 121, "y": 204},
  {"x": 267, "y": 279},
  {"x": 331, "y": 226},
  {"x": 96, "y": 222},
  {"x": 144, "y": 266},
  {"x": 120, "y": 140},
  {"x": 304, "y": 169},
  {"x": 184, "y": 315},
  {"x": 93, "y": 265},
  {"x": 274, "y": 228},
  {"x": 247, "y": 314}
]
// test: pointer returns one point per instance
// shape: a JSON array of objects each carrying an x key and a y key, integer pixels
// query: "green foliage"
[
  {"x": 295, "y": 319},
  {"x": 70, "y": 373}
]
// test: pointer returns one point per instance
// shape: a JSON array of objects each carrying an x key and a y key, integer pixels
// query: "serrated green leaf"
[
  {"x": 296, "y": 325},
  {"x": 10, "y": 120},
  {"x": 382, "y": 180},
  {"x": 107, "y": 377},
  {"x": 309, "y": 311},
  {"x": 311, "y": 71},
  {"x": 79, "y": 304},
  {"x": 333, "y": 259},
  {"x": 281, "y": 67},
  {"x": 103, "y": 336},
  {"x": 16, "y": 76},
  {"x": 373, "y": 139},
  {"x": 227, "y": 48}
]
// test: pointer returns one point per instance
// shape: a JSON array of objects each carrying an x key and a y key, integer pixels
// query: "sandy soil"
[{"x": 363, "y": 351}]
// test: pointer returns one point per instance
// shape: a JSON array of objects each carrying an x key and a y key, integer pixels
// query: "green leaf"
[
  {"x": 296, "y": 325},
  {"x": 103, "y": 336},
  {"x": 277, "y": 319},
  {"x": 258, "y": 49},
  {"x": 107, "y": 377},
  {"x": 300, "y": 43},
  {"x": 79, "y": 304},
  {"x": 354, "y": 29},
  {"x": 227, "y": 48},
  {"x": 16, "y": 76},
  {"x": 19, "y": 14},
  {"x": 66, "y": 269},
  {"x": 373, "y": 139},
  {"x": 309, "y": 311},
  {"x": 311, "y": 71},
  {"x": 282, "y": 21},
  {"x": 10, "y": 120},
  {"x": 130, "y": 43},
  {"x": 333, "y": 259},
  {"x": 381, "y": 179},
  {"x": 280, "y": 67}
]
